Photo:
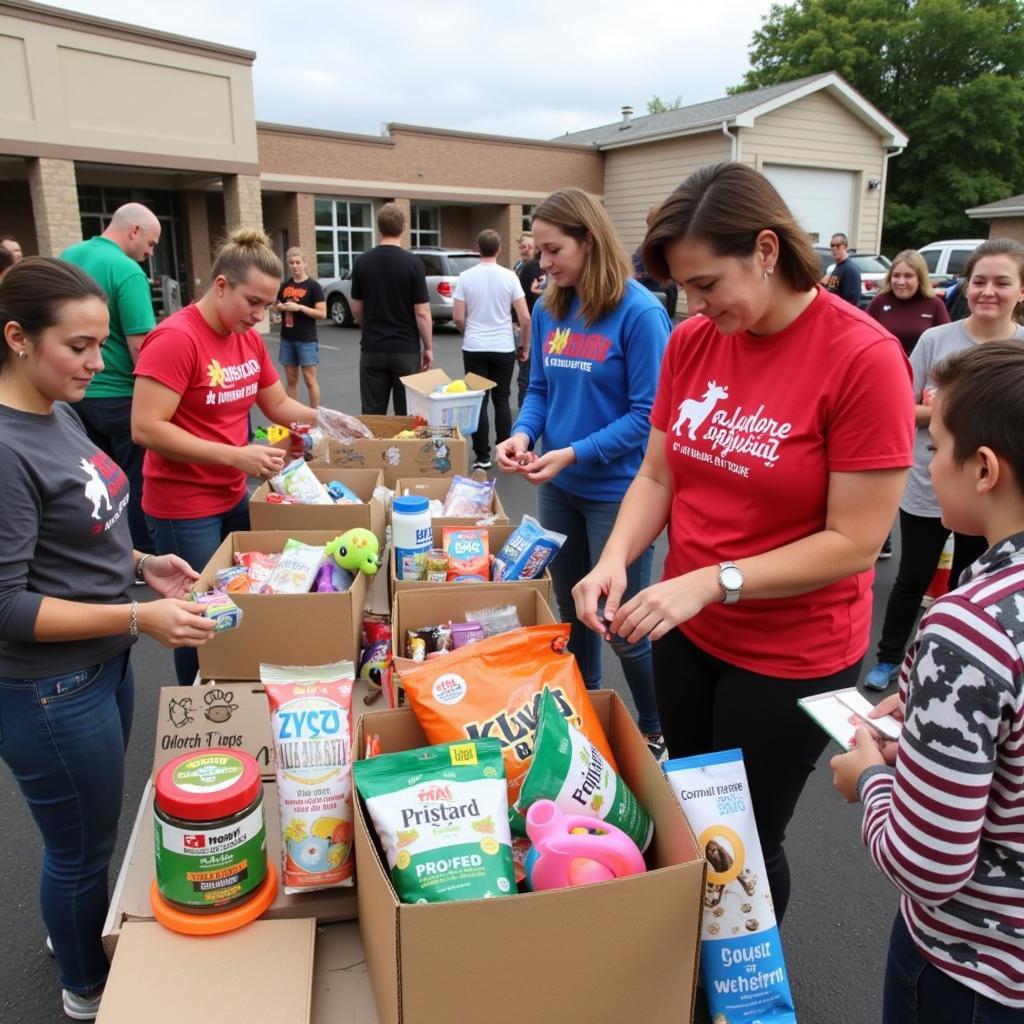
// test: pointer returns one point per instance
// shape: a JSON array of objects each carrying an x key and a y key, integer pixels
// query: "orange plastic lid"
[{"x": 215, "y": 924}]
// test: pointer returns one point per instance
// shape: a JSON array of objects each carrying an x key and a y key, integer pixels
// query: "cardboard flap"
[{"x": 429, "y": 381}]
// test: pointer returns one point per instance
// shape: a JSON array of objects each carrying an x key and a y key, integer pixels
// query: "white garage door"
[{"x": 821, "y": 200}]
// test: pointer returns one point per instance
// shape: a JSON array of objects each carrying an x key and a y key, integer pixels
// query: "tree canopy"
[
  {"x": 950, "y": 73},
  {"x": 656, "y": 105}
]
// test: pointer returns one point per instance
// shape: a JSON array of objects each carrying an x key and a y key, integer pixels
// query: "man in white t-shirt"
[{"x": 484, "y": 299}]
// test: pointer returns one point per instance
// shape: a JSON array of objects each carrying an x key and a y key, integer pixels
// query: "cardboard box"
[
  {"x": 436, "y": 489},
  {"x": 496, "y": 537},
  {"x": 397, "y": 457},
  {"x": 616, "y": 951},
  {"x": 456, "y": 409},
  {"x": 264, "y": 515},
  {"x": 282, "y": 629}
]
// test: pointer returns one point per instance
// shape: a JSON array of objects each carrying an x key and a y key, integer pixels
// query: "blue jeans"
[
  {"x": 587, "y": 526},
  {"x": 917, "y": 992},
  {"x": 64, "y": 738},
  {"x": 195, "y": 540}
]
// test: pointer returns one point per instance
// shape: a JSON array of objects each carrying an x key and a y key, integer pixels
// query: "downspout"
[
  {"x": 890, "y": 152},
  {"x": 732, "y": 140}
]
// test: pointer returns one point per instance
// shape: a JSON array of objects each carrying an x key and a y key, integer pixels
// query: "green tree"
[
  {"x": 950, "y": 73},
  {"x": 656, "y": 105}
]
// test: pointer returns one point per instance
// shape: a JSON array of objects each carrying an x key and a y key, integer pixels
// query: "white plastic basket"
[{"x": 459, "y": 409}]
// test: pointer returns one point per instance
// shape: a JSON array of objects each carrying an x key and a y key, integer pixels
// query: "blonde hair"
[
  {"x": 295, "y": 251},
  {"x": 915, "y": 261},
  {"x": 606, "y": 268},
  {"x": 246, "y": 249}
]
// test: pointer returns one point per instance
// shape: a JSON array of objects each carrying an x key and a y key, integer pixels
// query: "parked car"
[
  {"x": 872, "y": 266},
  {"x": 442, "y": 267},
  {"x": 947, "y": 259}
]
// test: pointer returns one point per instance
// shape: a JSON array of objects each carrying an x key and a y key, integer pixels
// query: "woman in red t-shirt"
[
  {"x": 781, "y": 434},
  {"x": 198, "y": 376}
]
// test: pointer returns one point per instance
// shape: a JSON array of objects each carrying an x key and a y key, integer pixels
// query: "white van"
[{"x": 948, "y": 259}]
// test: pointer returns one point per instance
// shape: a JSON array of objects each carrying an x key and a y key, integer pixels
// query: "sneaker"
[
  {"x": 81, "y": 1007},
  {"x": 482, "y": 464},
  {"x": 656, "y": 745},
  {"x": 886, "y": 551},
  {"x": 881, "y": 675}
]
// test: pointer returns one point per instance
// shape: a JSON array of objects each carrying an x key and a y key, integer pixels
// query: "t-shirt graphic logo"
[
  {"x": 559, "y": 339},
  {"x": 215, "y": 372},
  {"x": 95, "y": 489},
  {"x": 695, "y": 413}
]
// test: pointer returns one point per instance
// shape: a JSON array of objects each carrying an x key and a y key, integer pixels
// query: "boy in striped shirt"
[{"x": 944, "y": 810}]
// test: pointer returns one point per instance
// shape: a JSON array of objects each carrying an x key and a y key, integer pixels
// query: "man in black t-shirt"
[
  {"x": 390, "y": 302},
  {"x": 531, "y": 277},
  {"x": 843, "y": 278},
  {"x": 301, "y": 302}
]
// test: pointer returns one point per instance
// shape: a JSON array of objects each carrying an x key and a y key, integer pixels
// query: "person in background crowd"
[
  {"x": 301, "y": 302},
  {"x": 843, "y": 278},
  {"x": 67, "y": 621},
  {"x": 942, "y": 806},
  {"x": 6, "y": 260},
  {"x": 485, "y": 296},
  {"x": 13, "y": 246},
  {"x": 198, "y": 376},
  {"x": 599, "y": 337},
  {"x": 780, "y": 438},
  {"x": 391, "y": 303},
  {"x": 994, "y": 284},
  {"x": 667, "y": 292},
  {"x": 113, "y": 259},
  {"x": 527, "y": 268}
]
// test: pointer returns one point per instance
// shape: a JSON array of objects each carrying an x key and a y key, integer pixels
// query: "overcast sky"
[{"x": 517, "y": 67}]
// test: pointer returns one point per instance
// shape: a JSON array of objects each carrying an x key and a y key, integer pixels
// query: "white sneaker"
[{"x": 81, "y": 1007}]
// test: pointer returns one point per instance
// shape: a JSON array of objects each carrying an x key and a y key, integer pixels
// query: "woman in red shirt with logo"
[
  {"x": 198, "y": 376},
  {"x": 781, "y": 434}
]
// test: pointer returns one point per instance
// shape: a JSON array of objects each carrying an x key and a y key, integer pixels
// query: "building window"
[
  {"x": 527, "y": 217},
  {"x": 426, "y": 225},
  {"x": 344, "y": 229}
]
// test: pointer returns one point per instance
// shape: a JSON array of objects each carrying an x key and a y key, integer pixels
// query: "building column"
[
  {"x": 54, "y": 204},
  {"x": 243, "y": 207},
  {"x": 511, "y": 218},
  {"x": 302, "y": 226},
  {"x": 197, "y": 234}
]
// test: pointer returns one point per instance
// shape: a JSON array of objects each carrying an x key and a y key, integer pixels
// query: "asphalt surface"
[{"x": 837, "y": 925}]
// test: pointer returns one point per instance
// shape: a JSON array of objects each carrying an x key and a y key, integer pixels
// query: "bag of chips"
[
  {"x": 526, "y": 553},
  {"x": 468, "y": 497},
  {"x": 469, "y": 554},
  {"x": 297, "y": 480}
]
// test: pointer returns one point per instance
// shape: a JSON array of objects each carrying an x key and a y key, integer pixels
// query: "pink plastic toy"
[{"x": 574, "y": 849}]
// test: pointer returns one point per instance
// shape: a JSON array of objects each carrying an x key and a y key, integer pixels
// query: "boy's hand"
[
  {"x": 848, "y": 768},
  {"x": 888, "y": 706}
]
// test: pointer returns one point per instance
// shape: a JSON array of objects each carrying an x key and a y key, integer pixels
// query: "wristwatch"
[{"x": 730, "y": 579}]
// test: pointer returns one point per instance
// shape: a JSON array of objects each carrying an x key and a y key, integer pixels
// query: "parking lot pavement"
[{"x": 837, "y": 926}]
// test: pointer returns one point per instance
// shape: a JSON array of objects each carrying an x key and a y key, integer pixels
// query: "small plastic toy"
[
  {"x": 575, "y": 849},
  {"x": 356, "y": 550}
]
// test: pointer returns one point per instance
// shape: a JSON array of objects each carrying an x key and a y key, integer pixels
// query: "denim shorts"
[{"x": 299, "y": 353}]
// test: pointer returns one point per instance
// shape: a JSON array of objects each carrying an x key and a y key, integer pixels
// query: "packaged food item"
[
  {"x": 218, "y": 607},
  {"x": 331, "y": 578},
  {"x": 342, "y": 495},
  {"x": 526, "y": 553},
  {"x": 468, "y": 497},
  {"x": 412, "y": 535},
  {"x": 273, "y": 498},
  {"x": 415, "y": 646},
  {"x": 296, "y": 569},
  {"x": 499, "y": 619},
  {"x": 468, "y": 551},
  {"x": 239, "y": 585},
  {"x": 435, "y": 566},
  {"x": 442, "y": 818},
  {"x": 258, "y": 566},
  {"x": 375, "y": 659},
  {"x": 741, "y": 959},
  {"x": 493, "y": 688},
  {"x": 570, "y": 771},
  {"x": 435, "y": 640},
  {"x": 299, "y": 481},
  {"x": 224, "y": 576},
  {"x": 311, "y": 726},
  {"x": 464, "y": 633}
]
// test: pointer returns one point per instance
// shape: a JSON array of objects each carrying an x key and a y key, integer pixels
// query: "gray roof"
[
  {"x": 1002, "y": 207},
  {"x": 709, "y": 112}
]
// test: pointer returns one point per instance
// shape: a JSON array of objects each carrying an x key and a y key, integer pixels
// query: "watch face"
[{"x": 731, "y": 578}]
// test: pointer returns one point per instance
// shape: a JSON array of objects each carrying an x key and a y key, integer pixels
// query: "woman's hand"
[
  {"x": 543, "y": 468},
  {"x": 847, "y": 768},
  {"x": 888, "y": 706},
  {"x": 661, "y": 607},
  {"x": 259, "y": 460},
  {"x": 606, "y": 580},
  {"x": 175, "y": 623},
  {"x": 169, "y": 575},
  {"x": 513, "y": 453}
]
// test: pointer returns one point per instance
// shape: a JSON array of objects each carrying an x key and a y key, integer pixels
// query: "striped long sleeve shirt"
[{"x": 946, "y": 825}]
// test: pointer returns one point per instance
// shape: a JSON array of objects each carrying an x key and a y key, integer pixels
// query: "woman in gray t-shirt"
[{"x": 994, "y": 285}]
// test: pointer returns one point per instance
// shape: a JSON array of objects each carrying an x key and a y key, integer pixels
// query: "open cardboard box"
[
  {"x": 442, "y": 455},
  {"x": 436, "y": 489},
  {"x": 281, "y": 629},
  {"x": 625, "y": 950},
  {"x": 265, "y": 515}
]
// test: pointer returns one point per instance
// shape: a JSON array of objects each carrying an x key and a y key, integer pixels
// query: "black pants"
[
  {"x": 380, "y": 376},
  {"x": 496, "y": 366},
  {"x": 706, "y": 704},
  {"x": 921, "y": 543},
  {"x": 108, "y": 422},
  {"x": 524, "y": 379}
]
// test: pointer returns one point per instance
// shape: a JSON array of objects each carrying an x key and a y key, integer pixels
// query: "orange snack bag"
[{"x": 493, "y": 688}]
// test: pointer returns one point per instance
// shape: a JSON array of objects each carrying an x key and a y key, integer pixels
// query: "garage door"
[{"x": 821, "y": 200}]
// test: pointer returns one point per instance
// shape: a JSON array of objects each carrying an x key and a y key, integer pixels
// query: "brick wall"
[{"x": 1007, "y": 227}]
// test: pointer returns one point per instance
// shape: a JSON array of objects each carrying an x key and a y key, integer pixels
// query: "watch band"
[{"x": 730, "y": 594}]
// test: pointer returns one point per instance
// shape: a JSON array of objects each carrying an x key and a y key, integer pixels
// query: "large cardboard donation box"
[
  {"x": 369, "y": 514},
  {"x": 436, "y": 489},
  {"x": 618, "y": 951}
]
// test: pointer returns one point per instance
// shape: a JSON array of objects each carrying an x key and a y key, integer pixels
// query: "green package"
[
  {"x": 568, "y": 769},
  {"x": 441, "y": 814}
]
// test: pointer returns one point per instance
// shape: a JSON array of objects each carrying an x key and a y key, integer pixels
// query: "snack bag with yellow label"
[
  {"x": 441, "y": 814},
  {"x": 741, "y": 959}
]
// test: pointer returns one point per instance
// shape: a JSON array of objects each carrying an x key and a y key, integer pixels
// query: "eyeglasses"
[{"x": 836, "y": 245}]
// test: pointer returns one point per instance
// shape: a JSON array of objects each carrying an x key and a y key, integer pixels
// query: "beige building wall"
[{"x": 818, "y": 131}]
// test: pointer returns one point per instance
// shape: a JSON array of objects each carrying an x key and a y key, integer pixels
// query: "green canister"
[{"x": 211, "y": 844}]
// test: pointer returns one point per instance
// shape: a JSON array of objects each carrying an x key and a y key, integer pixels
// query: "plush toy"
[{"x": 356, "y": 550}]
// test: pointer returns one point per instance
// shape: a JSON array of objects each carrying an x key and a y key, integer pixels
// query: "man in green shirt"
[{"x": 113, "y": 259}]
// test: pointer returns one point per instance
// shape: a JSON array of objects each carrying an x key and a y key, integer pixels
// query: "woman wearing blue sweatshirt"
[{"x": 600, "y": 337}]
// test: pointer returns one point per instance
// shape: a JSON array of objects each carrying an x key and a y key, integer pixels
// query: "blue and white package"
[
  {"x": 342, "y": 495},
  {"x": 526, "y": 553},
  {"x": 741, "y": 962}
]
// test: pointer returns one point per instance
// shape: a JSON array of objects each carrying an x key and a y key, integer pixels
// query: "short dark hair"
[
  {"x": 33, "y": 293},
  {"x": 488, "y": 242},
  {"x": 838, "y": 236},
  {"x": 6, "y": 258},
  {"x": 981, "y": 391},
  {"x": 391, "y": 220},
  {"x": 728, "y": 205}
]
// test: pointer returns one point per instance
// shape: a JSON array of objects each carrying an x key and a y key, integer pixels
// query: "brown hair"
[
  {"x": 606, "y": 268},
  {"x": 981, "y": 390},
  {"x": 33, "y": 293},
  {"x": 728, "y": 205},
  {"x": 999, "y": 247},
  {"x": 391, "y": 220},
  {"x": 246, "y": 249},
  {"x": 915, "y": 261},
  {"x": 488, "y": 242}
]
